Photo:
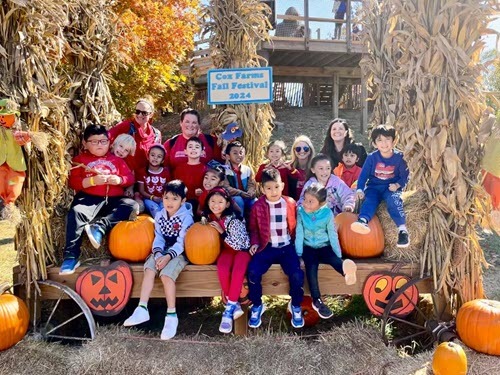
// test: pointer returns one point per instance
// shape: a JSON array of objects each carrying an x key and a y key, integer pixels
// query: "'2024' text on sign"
[{"x": 244, "y": 85}]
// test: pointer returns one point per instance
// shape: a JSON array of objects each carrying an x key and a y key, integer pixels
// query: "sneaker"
[
  {"x": 238, "y": 312},
  {"x": 255, "y": 316},
  {"x": 349, "y": 268},
  {"x": 323, "y": 311},
  {"x": 69, "y": 266},
  {"x": 139, "y": 316},
  {"x": 94, "y": 234},
  {"x": 403, "y": 239},
  {"x": 170, "y": 327},
  {"x": 226, "y": 324},
  {"x": 297, "y": 318},
  {"x": 360, "y": 226}
]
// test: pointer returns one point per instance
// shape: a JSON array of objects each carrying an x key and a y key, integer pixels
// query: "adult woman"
[
  {"x": 338, "y": 136},
  {"x": 302, "y": 154},
  {"x": 190, "y": 127},
  {"x": 144, "y": 133}
]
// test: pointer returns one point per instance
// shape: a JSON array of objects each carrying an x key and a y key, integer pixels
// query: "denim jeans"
[
  {"x": 245, "y": 204},
  {"x": 312, "y": 258},
  {"x": 153, "y": 207}
]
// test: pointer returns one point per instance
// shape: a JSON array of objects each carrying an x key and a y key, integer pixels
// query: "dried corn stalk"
[
  {"x": 430, "y": 52},
  {"x": 235, "y": 28}
]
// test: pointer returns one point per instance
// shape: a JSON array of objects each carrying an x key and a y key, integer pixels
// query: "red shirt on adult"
[
  {"x": 144, "y": 137},
  {"x": 192, "y": 176},
  {"x": 89, "y": 165}
]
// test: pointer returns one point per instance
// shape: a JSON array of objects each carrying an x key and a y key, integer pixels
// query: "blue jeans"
[
  {"x": 262, "y": 261},
  {"x": 312, "y": 258},
  {"x": 245, "y": 204},
  {"x": 374, "y": 195},
  {"x": 152, "y": 207}
]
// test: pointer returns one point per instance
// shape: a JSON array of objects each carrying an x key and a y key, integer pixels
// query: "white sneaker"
[
  {"x": 349, "y": 268},
  {"x": 238, "y": 312},
  {"x": 226, "y": 324},
  {"x": 139, "y": 316},
  {"x": 170, "y": 327}
]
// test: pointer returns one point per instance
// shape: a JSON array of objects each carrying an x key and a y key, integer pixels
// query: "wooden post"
[
  {"x": 335, "y": 95},
  {"x": 306, "y": 25},
  {"x": 364, "y": 105},
  {"x": 348, "y": 26},
  {"x": 241, "y": 324}
]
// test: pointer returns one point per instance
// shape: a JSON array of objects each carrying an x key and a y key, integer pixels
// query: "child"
[
  {"x": 99, "y": 179},
  {"x": 234, "y": 257},
  {"x": 276, "y": 155},
  {"x": 272, "y": 227},
  {"x": 317, "y": 242},
  {"x": 192, "y": 171},
  {"x": 153, "y": 179},
  {"x": 383, "y": 177},
  {"x": 123, "y": 146},
  {"x": 302, "y": 154},
  {"x": 347, "y": 170},
  {"x": 214, "y": 176},
  {"x": 167, "y": 259},
  {"x": 239, "y": 178},
  {"x": 339, "y": 196}
]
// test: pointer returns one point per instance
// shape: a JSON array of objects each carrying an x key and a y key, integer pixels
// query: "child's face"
[
  {"x": 172, "y": 203},
  {"x": 156, "y": 157},
  {"x": 311, "y": 203},
  {"x": 210, "y": 180},
  {"x": 302, "y": 150},
  {"x": 97, "y": 145},
  {"x": 121, "y": 150},
  {"x": 384, "y": 144},
  {"x": 322, "y": 170},
  {"x": 349, "y": 159},
  {"x": 193, "y": 150},
  {"x": 273, "y": 190},
  {"x": 217, "y": 204},
  {"x": 237, "y": 155},
  {"x": 274, "y": 153}
]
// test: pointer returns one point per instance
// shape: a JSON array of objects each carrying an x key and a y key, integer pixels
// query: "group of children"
[{"x": 280, "y": 229}]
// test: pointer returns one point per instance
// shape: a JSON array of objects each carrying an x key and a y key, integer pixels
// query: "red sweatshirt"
[
  {"x": 192, "y": 176},
  {"x": 285, "y": 174},
  {"x": 176, "y": 155},
  {"x": 108, "y": 164}
]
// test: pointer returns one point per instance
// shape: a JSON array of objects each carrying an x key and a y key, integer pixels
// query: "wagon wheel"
[
  {"x": 431, "y": 330},
  {"x": 64, "y": 318}
]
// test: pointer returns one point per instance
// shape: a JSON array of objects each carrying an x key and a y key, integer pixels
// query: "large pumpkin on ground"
[
  {"x": 378, "y": 289},
  {"x": 478, "y": 325},
  {"x": 202, "y": 244},
  {"x": 132, "y": 240},
  {"x": 355, "y": 245},
  {"x": 106, "y": 289},
  {"x": 14, "y": 320},
  {"x": 311, "y": 317},
  {"x": 449, "y": 359}
]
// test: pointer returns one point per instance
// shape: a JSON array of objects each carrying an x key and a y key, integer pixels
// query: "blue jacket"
[{"x": 316, "y": 229}]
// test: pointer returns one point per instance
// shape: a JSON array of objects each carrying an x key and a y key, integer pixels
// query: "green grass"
[{"x": 7, "y": 252}]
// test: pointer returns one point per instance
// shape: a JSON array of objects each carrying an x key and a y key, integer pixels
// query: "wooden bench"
[{"x": 202, "y": 281}]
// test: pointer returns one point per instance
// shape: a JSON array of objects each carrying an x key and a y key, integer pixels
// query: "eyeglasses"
[
  {"x": 144, "y": 113},
  {"x": 305, "y": 148},
  {"x": 95, "y": 142}
]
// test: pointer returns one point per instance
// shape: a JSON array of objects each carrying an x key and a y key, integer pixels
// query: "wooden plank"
[
  {"x": 335, "y": 96},
  {"x": 279, "y": 70},
  {"x": 202, "y": 281}
]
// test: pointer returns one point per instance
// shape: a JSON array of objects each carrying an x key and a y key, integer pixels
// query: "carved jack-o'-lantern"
[
  {"x": 106, "y": 289},
  {"x": 378, "y": 289}
]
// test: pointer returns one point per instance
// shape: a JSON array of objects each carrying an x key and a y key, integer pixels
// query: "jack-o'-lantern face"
[
  {"x": 106, "y": 290},
  {"x": 243, "y": 298},
  {"x": 380, "y": 287},
  {"x": 8, "y": 112}
]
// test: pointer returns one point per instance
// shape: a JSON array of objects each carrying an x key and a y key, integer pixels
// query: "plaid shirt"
[{"x": 279, "y": 227}]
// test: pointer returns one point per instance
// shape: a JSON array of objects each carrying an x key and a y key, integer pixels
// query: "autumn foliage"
[{"x": 154, "y": 38}]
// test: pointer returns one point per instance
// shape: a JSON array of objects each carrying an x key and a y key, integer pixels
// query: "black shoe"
[
  {"x": 403, "y": 239},
  {"x": 323, "y": 311}
]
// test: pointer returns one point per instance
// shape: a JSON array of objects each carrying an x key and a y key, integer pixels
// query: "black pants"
[
  {"x": 312, "y": 258},
  {"x": 86, "y": 208}
]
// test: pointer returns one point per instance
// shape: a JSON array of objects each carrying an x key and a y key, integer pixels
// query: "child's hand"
[
  {"x": 360, "y": 195},
  {"x": 244, "y": 194},
  {"x": 348, "y": 209},
  {"x": 216, "y": 226},
  {"x": 394, "y": 187},
  {"x": 114, "y": 180},
  {"x": 301, "y": 262},
  {"x": 198, "y": 192},
  {"x": 253, "y": 249},
  {"x": 100, "y": 179},
  {"x": 162, "y": 261}
]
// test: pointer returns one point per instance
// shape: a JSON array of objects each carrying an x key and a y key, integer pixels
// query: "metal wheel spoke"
[
  {"x": 66, "y": 322},
  {"x": 419, "y": 310},
  {"x": 407, "y": 322},
  {"x": 406, "y": 338},
  {"x": 69, "y": 337},
  {"x": 53, "y": 310}
]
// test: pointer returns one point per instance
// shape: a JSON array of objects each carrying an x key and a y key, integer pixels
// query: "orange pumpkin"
[
  {"x": 380, "y": 287},
  {"x": 478, "y": 325},
  {"x": 202, "y": 244},
  {"x": 14, "y": 320},
  {"x": 132, "y": 240},
  {"x": 106, "y": 289},
  {"x": 243, "y": 298},
  {"x": 449, "y": 359},
  {"x": 355, "y": 245},
  {"x": 311, "y": 317}
]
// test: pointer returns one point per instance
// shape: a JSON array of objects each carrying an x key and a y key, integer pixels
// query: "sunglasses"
[
  {"x": 144, "y": 113},
  {"x": 305, "y": 148},
  {"x": 96, "y": 142}
]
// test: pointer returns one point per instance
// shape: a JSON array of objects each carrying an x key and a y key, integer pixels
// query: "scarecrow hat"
[
  {"x": 232, "y": 131},
  {"x": 8, "y": 107}
]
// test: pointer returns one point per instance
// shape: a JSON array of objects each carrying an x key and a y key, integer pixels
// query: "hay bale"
[{"x": 417, "y": 222}]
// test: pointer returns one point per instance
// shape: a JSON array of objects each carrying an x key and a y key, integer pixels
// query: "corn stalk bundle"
[
  {"x": 433, "y": 48},
  {"x": 235, "y": 28}
]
